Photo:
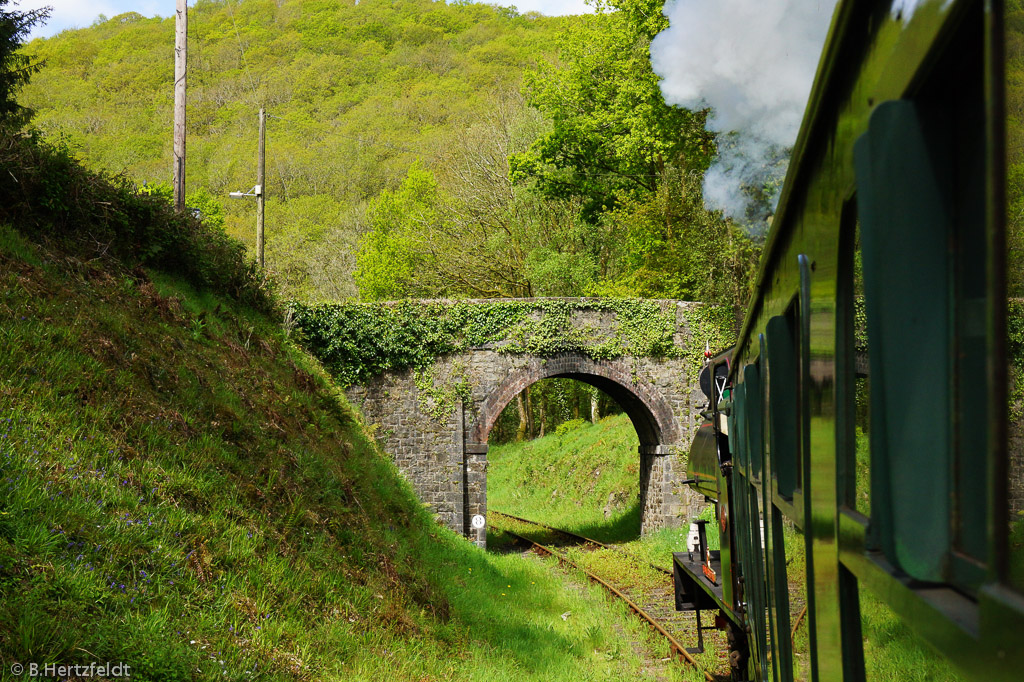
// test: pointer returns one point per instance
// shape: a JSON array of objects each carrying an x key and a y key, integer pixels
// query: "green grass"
[
  {"x": 12, "y": 242},
  {"x": 585, "y": 479},
  {"x": 892, "y": 651},
  {"x": 635, "y": 632},
  {"x": 183, "y": 490},
  {"x": 862, "y": 503}
]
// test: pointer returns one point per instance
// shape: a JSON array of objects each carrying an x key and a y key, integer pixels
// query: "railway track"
[
  {"x": 584, "y": 539},
  {"x": 651, "y": 597}
]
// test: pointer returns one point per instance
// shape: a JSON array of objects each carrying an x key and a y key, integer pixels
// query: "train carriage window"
[
  {"x": 784, "y": 412},
  {"x": 854, "y": 423},
  {"x": 921, "y": 205},
  {"x": 902, "y": 209},
  {"x": 754, "y": 428},
  {"x": 953, "y": 111}
]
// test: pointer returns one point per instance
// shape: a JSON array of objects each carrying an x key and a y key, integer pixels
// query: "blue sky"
[{"x": 79, "y": 13}]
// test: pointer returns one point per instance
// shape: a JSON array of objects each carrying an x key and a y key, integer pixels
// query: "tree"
[
  {"x": 207, "y": 207},
  {"x": 472, "y": 232},
  {"x": 674, "y": 247},
  {"x": 356, "y": 93},
  {"x": 16, "y": 67},
  {"x": 507, "y": 241},
  {"x": 612, "y": 133},
  {"x": 542, "y": 407},
  {"x": 635, "y": 163},
  {"x": 388, "y": 265}
]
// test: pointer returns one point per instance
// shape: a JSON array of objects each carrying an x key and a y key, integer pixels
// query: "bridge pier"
[
  {"x": 475, "y": 491},
  {"x": 659, "y": 493}
]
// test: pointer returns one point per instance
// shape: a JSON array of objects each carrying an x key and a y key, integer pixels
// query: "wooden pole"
[
  {"x": 180, "y": 57},
  {"x": 260, "y": 190}
]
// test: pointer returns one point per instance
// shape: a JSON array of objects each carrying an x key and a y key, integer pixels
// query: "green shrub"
[
  {"x": 49, "y": 196},
  {"x": 571, "y": 425},
  {"x": 357, "y": 341}
]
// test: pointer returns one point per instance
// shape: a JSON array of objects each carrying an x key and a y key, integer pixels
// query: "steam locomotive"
[{"x": 855, "y": 439}]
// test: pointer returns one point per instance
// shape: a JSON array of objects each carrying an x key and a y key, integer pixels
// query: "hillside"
[
  {"x": 415, "y": 148},
  {"x": 356, "y": 92},
  {"x": 184, "y": 491}
]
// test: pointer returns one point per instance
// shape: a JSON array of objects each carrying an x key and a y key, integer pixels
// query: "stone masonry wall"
[
  {"x": 443, "y": 452},
  {"x": 439, "y": 439}
]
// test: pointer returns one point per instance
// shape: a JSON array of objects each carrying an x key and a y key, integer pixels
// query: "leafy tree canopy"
[
  {"x": 612, "y": 133},
  {"x": 355, "y": 93},
  {"x": 397, "y": 133},
  {"x": 388, "y": 259}
]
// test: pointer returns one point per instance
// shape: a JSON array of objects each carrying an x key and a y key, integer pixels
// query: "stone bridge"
[{"x": 435, "y": 421}]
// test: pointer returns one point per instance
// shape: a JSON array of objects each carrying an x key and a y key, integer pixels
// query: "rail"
[
  {"x": 676, "y": 650},
  {"x": 585, "y": 539}
]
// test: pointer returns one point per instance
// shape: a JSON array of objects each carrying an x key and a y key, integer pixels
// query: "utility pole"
[
  {"x": 180, "y": 57},
  {"x": 258, "y": 191},
  {"x": 260, "y": 174}
]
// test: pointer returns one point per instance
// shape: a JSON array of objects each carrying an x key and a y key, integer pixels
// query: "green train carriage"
[{"x": 866, "y": 399}]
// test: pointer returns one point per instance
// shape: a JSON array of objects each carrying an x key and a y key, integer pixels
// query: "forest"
[{"x": 414, "y": 149}]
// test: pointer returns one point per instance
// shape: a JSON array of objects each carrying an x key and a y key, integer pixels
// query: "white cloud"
[
  {"x": 78, "y": 14},
  {"x": 753, "y": 63}
]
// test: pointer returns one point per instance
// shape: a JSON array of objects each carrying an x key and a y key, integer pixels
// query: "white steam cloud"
[{"x": 752, "y": 62}]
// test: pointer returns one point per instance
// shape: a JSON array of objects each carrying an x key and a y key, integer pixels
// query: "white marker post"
[{"x": 477, "y": 523}]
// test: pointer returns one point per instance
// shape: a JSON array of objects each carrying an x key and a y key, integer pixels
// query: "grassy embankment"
[
  {"x": 583, "y": 478},
  {"x": 185, "y": 491},
  {"x": 567, "y": 479}
]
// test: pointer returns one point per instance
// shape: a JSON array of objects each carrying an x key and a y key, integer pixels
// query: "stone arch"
[
  {"x": 650, "y": 412},
  {"x": 657, "y": 426}
]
